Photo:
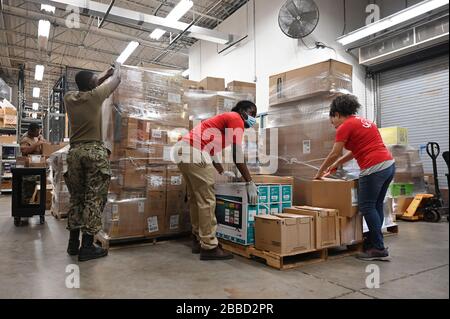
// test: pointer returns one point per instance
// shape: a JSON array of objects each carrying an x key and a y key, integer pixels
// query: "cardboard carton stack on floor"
[
  {"x": 298, "y": 128},
  {"x": 409, "y": 178},
  {"x": 147, "y": 193},
  {"x": 60, "y": 200},
  {"x": 8, "y": 114}
]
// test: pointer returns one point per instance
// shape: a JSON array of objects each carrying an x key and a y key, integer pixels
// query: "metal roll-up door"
[{"x": 416, "y": 97}]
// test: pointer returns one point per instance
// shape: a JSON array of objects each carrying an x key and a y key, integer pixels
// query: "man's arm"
[
  {"x": 26, "y": 149},
  {"x": 102, "y": 77},
  {"x": 238, "y": 159},
  {"x": 218, "y": 167},
  {"x": 106, "y": 88}
]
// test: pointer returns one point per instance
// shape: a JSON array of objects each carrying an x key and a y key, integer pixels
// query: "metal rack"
[{"x": 9, "y": 153}]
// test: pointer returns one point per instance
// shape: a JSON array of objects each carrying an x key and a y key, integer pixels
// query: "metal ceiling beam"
[
  {"x": 87, "y": 48},
  {"x": 106, "y": 33},
  {"x": 122, "y": 14},
  {"x": 106, "y": 14}
]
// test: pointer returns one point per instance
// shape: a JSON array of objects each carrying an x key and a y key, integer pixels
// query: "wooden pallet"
[
  {"x": 344, "y": 250},
  {"x": 106, "y": 242},
  {"x": 280, "y": 262}
]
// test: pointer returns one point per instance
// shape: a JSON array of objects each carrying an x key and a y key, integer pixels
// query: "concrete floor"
[{"x": 33, "y": 265}]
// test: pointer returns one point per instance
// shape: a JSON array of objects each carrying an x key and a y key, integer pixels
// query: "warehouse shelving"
[{"x": 9, "y": 153}]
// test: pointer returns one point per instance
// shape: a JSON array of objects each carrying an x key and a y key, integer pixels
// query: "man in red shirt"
[
  {"x": 197, "y": 152},
  {"x": 364, "y": 143}
]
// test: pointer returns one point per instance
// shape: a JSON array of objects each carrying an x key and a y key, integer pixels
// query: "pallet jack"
[{"x": 429, "y": 207}]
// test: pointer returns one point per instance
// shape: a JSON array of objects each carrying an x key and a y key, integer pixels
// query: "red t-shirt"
[
  {"x": 362, "y": 138},
  {"x": 216, "y": 133}
]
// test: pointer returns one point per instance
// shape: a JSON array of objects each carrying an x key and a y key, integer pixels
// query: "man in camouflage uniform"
[
  {"x": 30, "y": 144},
  {"x": 88, "y": 169}
]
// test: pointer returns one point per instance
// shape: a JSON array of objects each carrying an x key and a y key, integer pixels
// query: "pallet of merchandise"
[
  {"x": 107, "y": 242},
  {"x": 274, "y": 260},
  {"x": 344, "y": 250}
]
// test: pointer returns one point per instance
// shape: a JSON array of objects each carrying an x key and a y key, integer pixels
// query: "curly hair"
[{"x": 345, "y": 105}]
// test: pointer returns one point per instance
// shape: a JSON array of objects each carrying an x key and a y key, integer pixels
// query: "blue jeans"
[{"x": 372, "y": 190}]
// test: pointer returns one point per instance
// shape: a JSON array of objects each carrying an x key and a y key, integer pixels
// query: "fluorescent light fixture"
[
  {"x": 34, "y": 115},
  {"x": 44, "y": 28},
  {"x": 48, "y": 8},
  {"x": 157, "y": 34},
  {"x": 39, "y": 72},
  {"x": 185, "y": 73},
  {"x": 127, "y": 52},
  {"x": 36, "y": 92},
  {"x": 176, "y": 14},
  {"x": 35, "y": 106},
  {"x": 391, "y": 21}
]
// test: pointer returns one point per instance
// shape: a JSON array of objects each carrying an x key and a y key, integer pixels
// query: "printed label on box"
[
  {"x": 174, "y": 221},
  {"x": 175, "y": 180},
  {"x": 152, "y": 223},
  {"x": 156, "y": 133},
  {"x": 155, "y": 181},
  {"x": 147, "y": 127},
  {"x": 141, "y": 206},
  {"x": 174, "y": 98},
  {"x": 167, "y": 153},
  {"x": 307, "y": 147},
  {"x": 354, "y": 197}
]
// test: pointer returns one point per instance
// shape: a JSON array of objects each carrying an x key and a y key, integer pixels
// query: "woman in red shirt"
[{"x": 364, "y": 143}]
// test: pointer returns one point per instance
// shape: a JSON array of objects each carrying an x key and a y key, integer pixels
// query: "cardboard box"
[
  {"x": 132, "y": 178},
  {"x": 328, "y": 193},
  {"x": 272, "y": 179},
  {"x": 156, "y": 178},
  {"x": 284, "y": 234},
  {"x": 351, "y": 229},
  {"x": 159, "y": 154},
  {"x": 212, "y": 84},
  {"x": 128, "y": 136},
  {"x": 133, "y": 158},
  {"x": 155, "y": 208},
  {"x": 324, "y": 77},
  {"x": 173, "y": 222},
  {"x": 6, "y": 184},
  {"x": 125, "y": 218},
  {"x": 175, "y": 181},
  {"x": 190, "y": 85},
  {"x": 8, "y": 139},
  {"x": 242, "y": 87},
  {"x": 326, "y": 224},
  {"x": 176, "y": 201},
  {"x": 235, "y": 217},
  {"x": 49, "y": 149},
  {"x": 394, "y": 135},
  {"x": 36, "y": 161}
]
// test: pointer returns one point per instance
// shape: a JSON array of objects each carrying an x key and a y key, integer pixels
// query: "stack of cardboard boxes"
[
  {"x": 298, "y": 118},
  {"x": 8, "y": 114},
  {"x": 409, "y": 178},
  {"x": 147, "y": 194},
  {"x": 328, "y": 219}
]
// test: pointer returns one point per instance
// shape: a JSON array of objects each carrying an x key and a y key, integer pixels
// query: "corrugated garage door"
[{"x": 416, "y": 97}]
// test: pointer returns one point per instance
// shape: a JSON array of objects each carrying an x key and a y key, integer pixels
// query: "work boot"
[
  {"x": 374, "y": 254},
  {"x": 214, "y": 254},
  {"x": 195, "y": 245},
  {"x": 74, "y": 242},
  {"x": 88, "y": 250}
]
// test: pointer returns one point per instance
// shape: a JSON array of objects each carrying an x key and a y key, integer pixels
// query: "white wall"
[{"x": 273, "y": 52}]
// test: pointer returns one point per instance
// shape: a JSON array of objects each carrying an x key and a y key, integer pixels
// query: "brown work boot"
[
  {"x": 195, "y": 245},
  {"x": 214, "y": 254}
]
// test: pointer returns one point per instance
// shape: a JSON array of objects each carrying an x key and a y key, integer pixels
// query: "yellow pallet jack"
[
  {"x": 429, "y": 207},
  {"x": 413, "y": 213}
]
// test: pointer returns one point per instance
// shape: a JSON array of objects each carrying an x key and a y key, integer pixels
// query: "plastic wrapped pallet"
[
  {"x": 143, "y": 119},
  {"x": 317, "y": 79},
  {"x": 408, "y": 169},
  {"x": 60, "y": 198},
  {"x": 298, "y": 136}
]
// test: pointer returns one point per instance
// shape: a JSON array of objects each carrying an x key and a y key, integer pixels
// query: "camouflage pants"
[{"x": 87, "y": 178}]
